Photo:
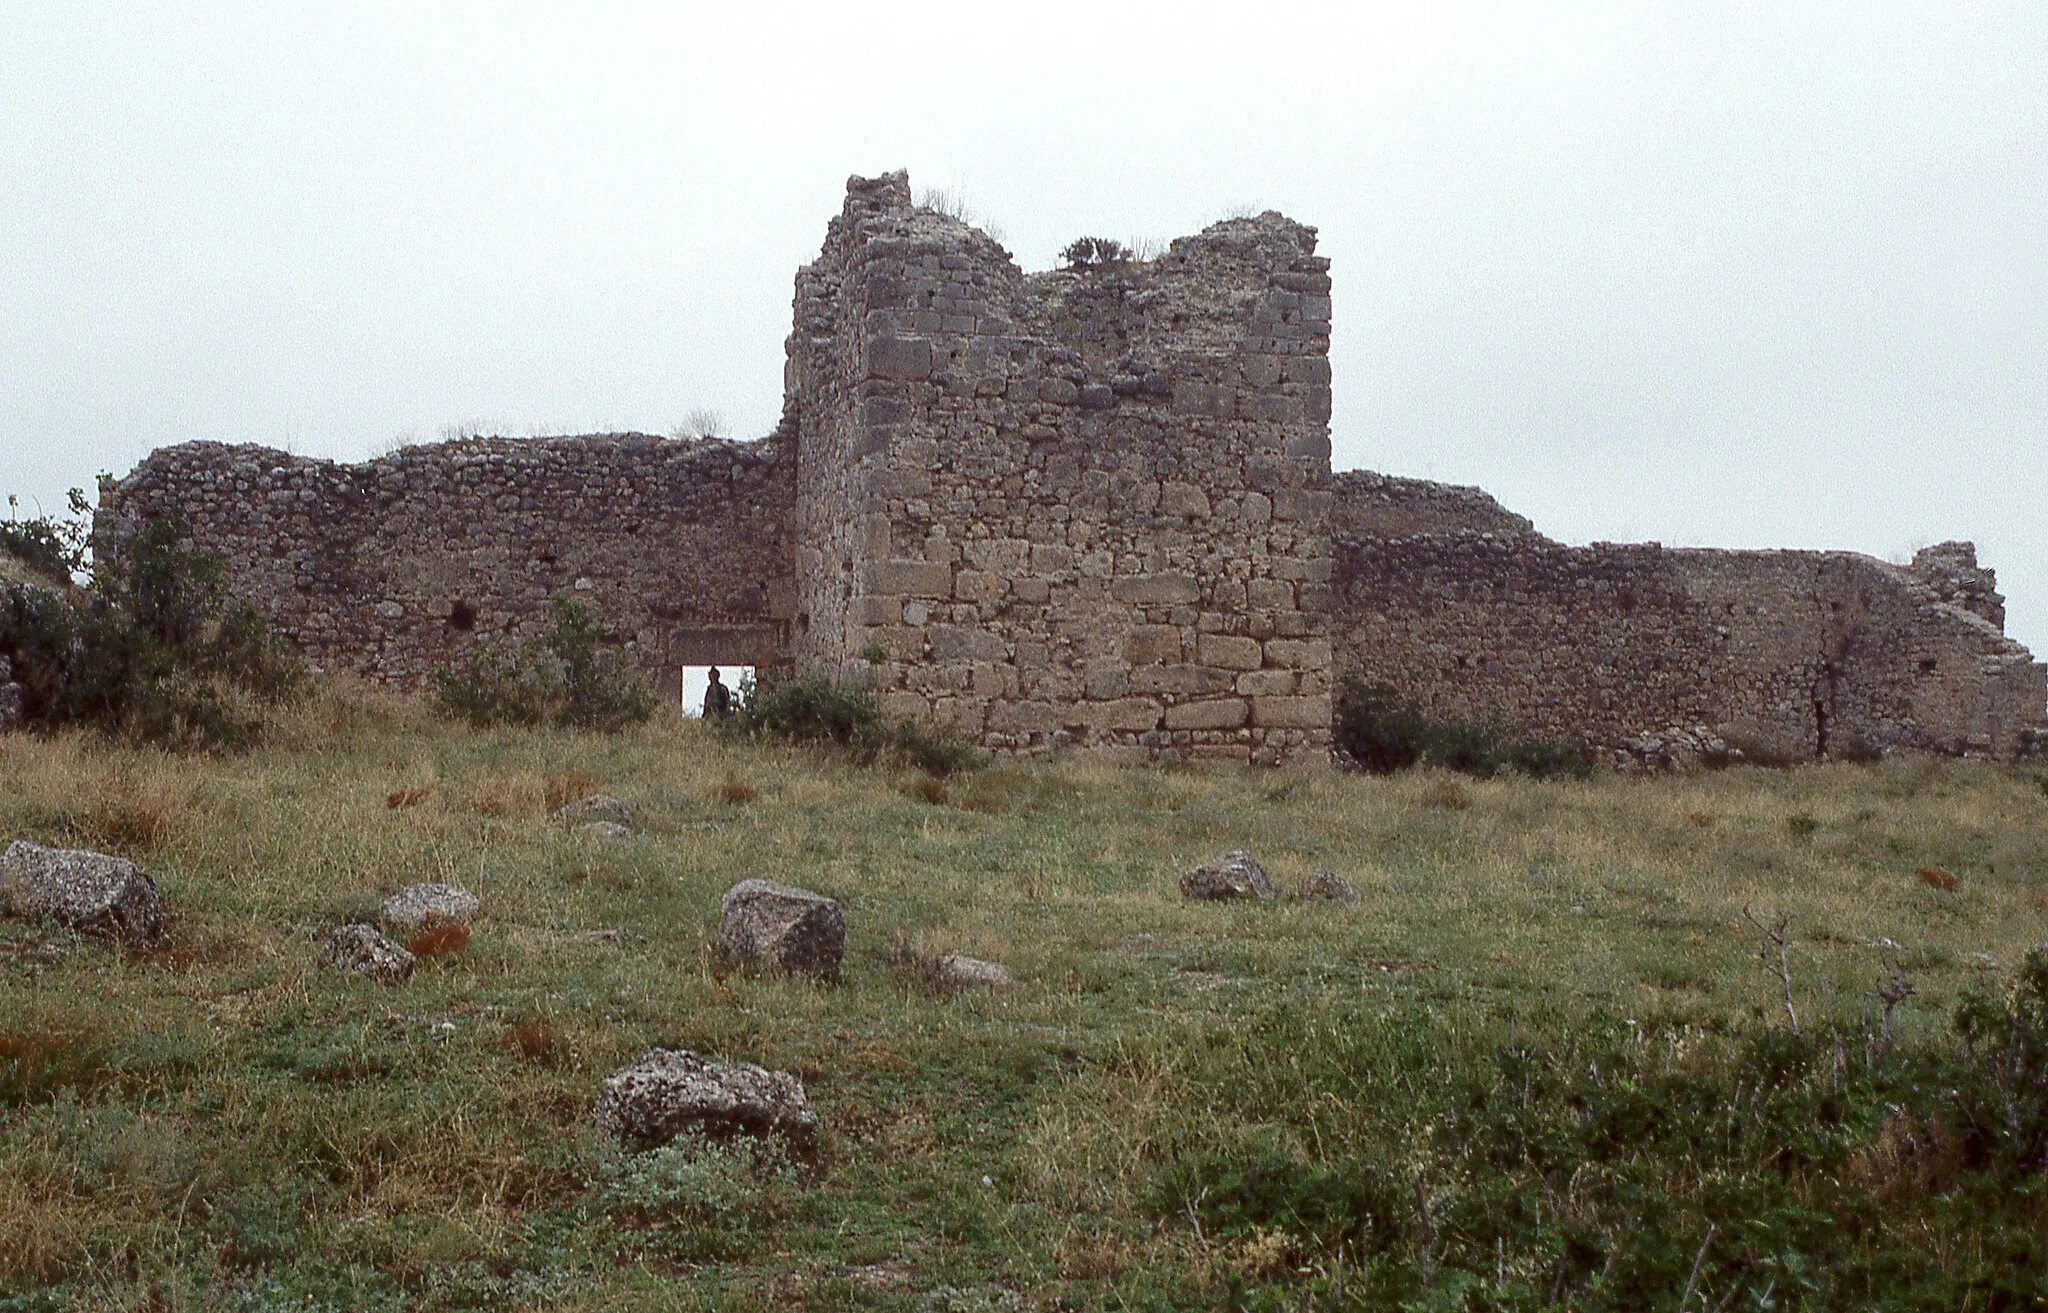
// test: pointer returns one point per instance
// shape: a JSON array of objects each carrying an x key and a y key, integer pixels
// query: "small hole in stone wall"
[
  {"x": 1927, "y": 666},
  {"x": 462, "y": 616}
]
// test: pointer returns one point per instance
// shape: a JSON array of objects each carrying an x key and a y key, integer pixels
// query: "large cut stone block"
[
  {"x": 87, "y": 891},
  {"x": 899, "y": 357},
  {"x": 1223, "y": 713},
  {"x": 668, "y": 1091},
  {"x": 1155, "y": 589},
  {"x": 765, "y": 925},
  {"x": 1291, "y": 712}
]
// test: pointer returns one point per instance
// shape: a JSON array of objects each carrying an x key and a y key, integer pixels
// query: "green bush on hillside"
[
  {"x": 151, "y": 648},
  {"x": 1385, "y": 732},
  {"x": 821, "y": 711},
  {"x": 564, "y": 677}
]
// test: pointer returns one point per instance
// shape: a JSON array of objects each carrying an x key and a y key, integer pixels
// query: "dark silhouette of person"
[{"x": 717, "y": 699}]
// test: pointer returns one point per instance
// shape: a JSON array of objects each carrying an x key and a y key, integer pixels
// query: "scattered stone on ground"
[
  {"x": 1328, "y": 886},
  {"x": 762, "y": 924},
  {"x": 1236, "y": 874},
  {"x": 597, "y": 807},
  {"x": 668, "y": 1091},
  {"x": 1677, "y": 750},
  {"x": 961, "y": 972},
  {"x": 360, "y": 950},
  {"x": 603, "y": 831},
  {"x": 419, "y": 906},
  {"x": 87, "y": 891}
]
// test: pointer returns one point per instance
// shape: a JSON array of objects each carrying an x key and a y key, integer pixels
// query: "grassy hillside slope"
[{"x": 1531, "y": 1067}]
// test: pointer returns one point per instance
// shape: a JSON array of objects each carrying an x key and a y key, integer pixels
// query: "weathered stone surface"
[
  {"x": 956, "y": 971},
  {"x": 765, "y": 925},
  {"x": 361, "y": 951},
  {"x": 668, "y": 1091},
  {"x": 87, "y": 891},
  {"x": 603, "y": 831},
  {"x": 10, "y": 697},
  {"x": 417, "y": 906},
  {"x": 1326, "y": 885},
  {"x": 597, "y": 807},
  {"x": 1236, "y": 874}
]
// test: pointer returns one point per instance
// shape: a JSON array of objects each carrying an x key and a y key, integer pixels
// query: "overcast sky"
[{"x": 1718, "y": 274}]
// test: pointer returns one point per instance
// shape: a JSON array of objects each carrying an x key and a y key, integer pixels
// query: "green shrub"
[
  {"x": 818, "y": 710},
  {"x": 1584, "y": 1169},
  {"x": 153, "y": 648},
  {"x": 564, "y": 677},
  {"x": 1384, "y": 733},
  {"x": 53, "y": 546},
  {"x": 696, "y": 1199}
]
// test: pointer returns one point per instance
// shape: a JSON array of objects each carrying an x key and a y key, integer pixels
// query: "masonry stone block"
[
  {"x": 1168, "y": 588},
  {"x": 1127, "y": 714},
  {"x": 1229, "y": 652},
  {"x": 911, "y": 578},
  {"x": 1221, "y": 713},
  {"x": 1148, "y": 645},
  {"x": 899, "y": 357},
  {"x": 1310, "y": 713}
]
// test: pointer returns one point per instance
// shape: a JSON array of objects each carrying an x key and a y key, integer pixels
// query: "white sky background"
[{"x": 1732, "y": 274}]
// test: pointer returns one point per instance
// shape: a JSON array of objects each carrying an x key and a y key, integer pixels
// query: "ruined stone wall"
[
  {"x": 1090, "y": 508},
  {"x": 400, "y": 566},
  {"x": 1369, "y": 505},
  {"x": 1795, "y": 654},
  {"x": 1086, "y": 507}
]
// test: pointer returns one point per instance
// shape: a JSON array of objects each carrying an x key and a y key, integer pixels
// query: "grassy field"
[{"x": 1540, "y": 1062}]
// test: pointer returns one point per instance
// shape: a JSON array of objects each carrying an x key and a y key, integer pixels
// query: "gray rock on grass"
[
  {"x": 763, "y": 925},
  {"x": 1236, "y": 874},
  {"x": 958, "y": 971},
  {"x": 668, "y": 1091},
  {"x": 1327, "y": 886},
  {"x": 603, "y": 831},
  {"x": 597, "y": 807},
  {"x": 87, "y": 891},
  {"x": 418, "y": 906},
  {"x": 361, "y": 951}
]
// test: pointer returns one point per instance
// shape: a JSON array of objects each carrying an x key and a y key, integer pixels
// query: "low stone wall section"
[
  {"x": 403, "y": 565},
  {"x": 1792, "y": 654}
]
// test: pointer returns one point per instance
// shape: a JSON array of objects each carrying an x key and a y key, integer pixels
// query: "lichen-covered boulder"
[
  {"x": 1236, "y": 874},
  {"x": 603, "y": 832},
  {"x": 957, "y": 971},
  {"x": 1327, "y": 886},
  {"x": 668, "y": 1091},
  {"x": 360, "y": 950},
  {"x": 418, "y": 906},
  {"x": 87, "y": 891},
  {"x": 597, "y": 807},
  {"x": 763, "y": 925}
]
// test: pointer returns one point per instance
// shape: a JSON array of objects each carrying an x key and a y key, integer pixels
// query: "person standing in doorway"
[{"x": 717, "y": 699}]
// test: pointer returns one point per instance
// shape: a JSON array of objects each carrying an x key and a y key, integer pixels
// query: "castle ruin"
[{"x": 1092, "y": 508}]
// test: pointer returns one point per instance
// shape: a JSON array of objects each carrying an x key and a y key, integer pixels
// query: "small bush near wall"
[
  {"x": 151, "y": 648},
  {"x": 1384, "y": 732},
  {"x": 564, "y": 677},
  {"x": 815, "y": 709}
]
